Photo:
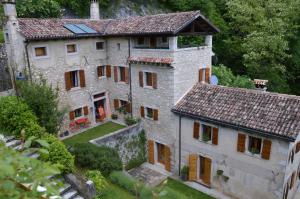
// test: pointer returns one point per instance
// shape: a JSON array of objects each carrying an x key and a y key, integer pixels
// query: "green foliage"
[
  {"x": 102, "y": 158},
  {"x": 17, "y": 169},
  {"x": 43, "y": 101},
  {"x": 121, "y": 179},
  {"x": 114, "y": 116},
  {"x": 1, "y": 37},
  {"x": 99, "y": 181},
  {"x": 131, "y": 120},
  {"x": 38, "y": 8},
  {"x": 190, "y": 41},
  {"x": 58, "y": 154},
  {"x": 15, "y": 115},
  {"x": 185, "y": 170},
  {"x": 227, "y": 78}
]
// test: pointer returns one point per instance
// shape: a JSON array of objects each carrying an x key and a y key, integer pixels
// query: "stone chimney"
[
  {"x": 260, "y": 84},
  {"x": 95, "y": 11}
]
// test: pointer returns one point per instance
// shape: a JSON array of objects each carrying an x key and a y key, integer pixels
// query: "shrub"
[
  {"x": 146, "y": 193},
  {"x": 58, "y": 154},
  {"x": 101, "y": 158},
  {"x": 114, "y": 116},
  {"x": 98, "y": 179},
  {"x": 121, "y": 179},
  {"x": 131, "y": 121},
  {"x": 15, "y": 115},
  {"x": 185, "y": 170}
]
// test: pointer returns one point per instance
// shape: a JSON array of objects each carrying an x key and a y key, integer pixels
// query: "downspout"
[
  {"x": 130, "y": 80},
  {"x": 179, "y": 153},
  {"x": 28, "y": 62}
]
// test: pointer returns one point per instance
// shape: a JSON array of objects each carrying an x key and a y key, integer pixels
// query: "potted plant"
[
  {"x": 184, "y": 173},
  {"x": 114, "y": 116}
]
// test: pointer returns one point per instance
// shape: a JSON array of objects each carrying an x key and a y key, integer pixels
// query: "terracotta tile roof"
[
  {"x": 151, "y": 60},
  {"x": 262, "y": 112},
  {"x": 153, "y": 24}
]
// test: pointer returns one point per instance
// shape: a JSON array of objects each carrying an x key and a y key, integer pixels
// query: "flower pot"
[{"x": 184, "y": 177}]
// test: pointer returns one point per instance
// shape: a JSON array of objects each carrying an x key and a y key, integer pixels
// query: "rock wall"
[{"x": 5, "y": 81}]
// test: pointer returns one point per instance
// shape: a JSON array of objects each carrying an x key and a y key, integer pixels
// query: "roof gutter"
[{"x": 234, "y": 126}]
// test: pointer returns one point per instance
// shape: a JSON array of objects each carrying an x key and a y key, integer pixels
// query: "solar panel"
[
  {"x": 73, "y": 28},
  {"x": 86, "y": 28}
]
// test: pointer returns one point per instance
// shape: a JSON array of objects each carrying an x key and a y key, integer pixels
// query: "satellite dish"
[{"x": 214, "y": 80}]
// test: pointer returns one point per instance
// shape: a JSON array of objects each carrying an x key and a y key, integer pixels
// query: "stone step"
[
  {"x": 9, "y": 138},
  {"x": 69, "y": 194},
  {"x": 78, "y": 197},
  {"x": 18, "y": 147},
  {"x": 65, "y": 189},
  {"x": 13, "y": 143}
]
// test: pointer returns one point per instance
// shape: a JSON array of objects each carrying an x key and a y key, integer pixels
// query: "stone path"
[{"x": 148, "y": 175}]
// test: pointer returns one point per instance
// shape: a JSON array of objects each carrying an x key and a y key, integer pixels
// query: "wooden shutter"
[
  {"x": 207, "y": 75},
  {"x": 141, "y": 79},
  {"x": 142, "y": 112},
  {"x": 116, "y": 73},
  {"x": 266, "y": 150},
  {"x": 108, "y": 71},
  {"x": 241, "y": 143},
  {"x": 155, "y": 114},
  {"x": 167, "y": 158},
  {"x": 72, "y": 115},
  {"x": 154, "y": 80},
  {"x": 68, "y": 81},
  {"x": 99, "y": 71},
  {"x": 215, "y": 136},
  {"x": 151, "y": 151},
  {"x": 207, "y": 171},
  {"x": 127, "y": 75},
  {"x": 201, "y": 75},
  {"x": 297, "y": 147},
  {"x": 193, "y": 167},
  {"x": 128, "y": 107},
  {"x": 196, "y": 132},
  {"x": 116, "y": 104},
  {"x": 82, "y": 78},
  {"x": 86, "y": 110}
]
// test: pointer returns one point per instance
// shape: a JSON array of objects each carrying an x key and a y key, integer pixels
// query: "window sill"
[
  {"x": 71, "y": 54},
  {"x": 42, "y": 57},
  {"x": 258, "y": 156},
  {"x": 148, "y": 87},
  {"x": 209, "y": 142},
  {"x": 102, "y": 77},
  {"x": 122, "y": 83},
  {"x": 75, "y": 88}
]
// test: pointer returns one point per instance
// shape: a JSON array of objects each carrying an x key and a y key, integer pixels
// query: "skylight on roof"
[{"x": 80, "y": 29}]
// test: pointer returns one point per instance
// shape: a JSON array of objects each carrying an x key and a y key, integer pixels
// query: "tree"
[
  {"x": 38, "y": 8},
  {"x": 43, "y": 101},
  {"x": 17, "y": 170},
  {"x": 227, "y": 78}
]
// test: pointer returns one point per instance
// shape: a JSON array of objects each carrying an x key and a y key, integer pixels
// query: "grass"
[
  {"x": 93, "y": 133},
  {"x": 115, "y": 192},
  {"x": 183, "y": 189}
]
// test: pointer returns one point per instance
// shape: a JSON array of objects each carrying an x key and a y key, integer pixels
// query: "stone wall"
[
  {"x": 5, "y": 81},
  {"x": 125, "y": 141}
]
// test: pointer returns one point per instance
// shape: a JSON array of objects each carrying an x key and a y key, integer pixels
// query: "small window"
[
  {"x": 100, "y": 45},
  {"x": 40, "y": 51},
  {"x": 78, "y": 112},
  {"x": 71, "y": 48},
  {"x": 101, "y": 71},
  {"x": 7, "y": 37},
  {"x": 122, "y": 74},
  {"x": 141, "y": 41},
  {"x": 149, "y": 113},
  {"x": 254, "y": 145},
  {"x": 74, "y": 79},
  {"x": 123, "y": 103},
  {"x": 206, "y": 133},
  {"x": 119, "y": 46},
  {"x": 149, "y": 78}
]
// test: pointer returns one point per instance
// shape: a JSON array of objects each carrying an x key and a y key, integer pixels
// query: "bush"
[
  {"x": 146, "y": 193},
  {"x": 185, "y": 170},
  {"x": 134, "y": 162},
  {"x": 16, "y": 115},
  {"x": 114, "y": 116},
  {"x": 58, "y": 154},
  {"x": 129, "y": 121},
  {"x": 98, "y": 179},
  {"x": 121, "y": 179},
  {"x": 101, "y": 158}
]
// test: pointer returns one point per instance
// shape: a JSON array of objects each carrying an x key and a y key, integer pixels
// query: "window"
[
  {"x": 149, "y": 79},
  {"x": 122, "y": 74},
  {"x": 78, "y": 112},
  {"x": 40, "y": 51},
  {"x": 204, "y": 75},
  {"x": 140, "y": 41},
  {"x": 206, "y": 133},
  {"x": 100, "y": 45},
  {"x": 123, "y": 103},
  {"x": 119, "y": 46},
  {"x": 74, "y": 79},
  {"x": 149, "y": 113},
  {"x": 71, "y": 48},
  {"x": 101, "y": 71},
  {"x": 254, "y": 145},
  {"x": 7, "y": 37}
]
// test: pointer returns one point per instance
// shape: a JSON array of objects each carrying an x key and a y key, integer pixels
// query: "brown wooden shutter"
[
  {"x": 266, "y": 150},
  {"x": 68, "y": 81},
  {"x": 82, "y": 78},
  {"x": 116, "y": 104},
  {"x": 193, "y": 158},
  {"x": 99, "y": 71},
  {"x": 241, "y": 143},
  {"x": 154, "y": 78},
  {"x": 297, "y": 147},
  {"x": 86, "y": 110},
  {"x": 108, "y": 71},
  {"x": 127, "y": 75},
  {"x": 141, "y": 79},
  {"x": 151, "y": 151},
  {"x": 167, "y": 158},
  {"x": 72, "y": 115},
  {"x": 155, "y": 114},
  {"x": 215, "y": 136},
  {"x": 207, "y": 171},
  {"x": 207, "y": 75},
  {"x": 142, "y": 112},
  {"x": 116, "y": 73},
  {"x": 201, "y": 75},
  {"x": 128, "y": 107},
  {"x": 196, "y": 130}
]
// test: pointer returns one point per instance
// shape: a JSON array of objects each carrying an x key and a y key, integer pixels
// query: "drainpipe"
[
  {"x": 179, "y": 153},
  {"x": 28, "y": 62},
  {"x": 130, "y": 80}
]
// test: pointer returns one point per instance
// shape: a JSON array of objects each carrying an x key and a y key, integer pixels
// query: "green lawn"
[
  {"x": 115, "y": 192},
  {"x": 183, "y": 189},
  {"x": 93, "y": 133}
]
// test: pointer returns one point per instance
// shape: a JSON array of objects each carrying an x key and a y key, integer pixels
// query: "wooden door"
[
  {"x": 205, "y": 170},
  {"x": 193, "y": 158},
  {"x": 151, "y": 151},
  {"x": 161, "y": 153}
]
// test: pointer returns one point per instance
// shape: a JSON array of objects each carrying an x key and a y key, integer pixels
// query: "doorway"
[
  {"x": 160, "y": 153},
  {"x": 100, "y": 107},
  {"x": 205, "y": 170}
]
